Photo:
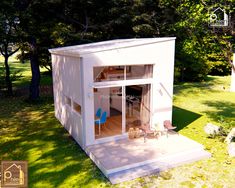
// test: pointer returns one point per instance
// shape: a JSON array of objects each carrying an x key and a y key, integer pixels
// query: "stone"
[
  {"x": 211, "y": 129},
  {"x": 231, "y": 149},
  {"x": 230, "y": 136}
]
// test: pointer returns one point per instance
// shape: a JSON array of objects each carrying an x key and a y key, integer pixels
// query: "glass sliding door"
[
  {"x": 138, "y": 105},
  {"x": 108, "y": 100},
  {"x": 125, "y": 105}
]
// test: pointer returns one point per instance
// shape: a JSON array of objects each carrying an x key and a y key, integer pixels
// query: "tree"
[
  {"x": 37, "y": 20},
  {"x": 9, "y": 33},
  {"x": 224, "y": 36}
]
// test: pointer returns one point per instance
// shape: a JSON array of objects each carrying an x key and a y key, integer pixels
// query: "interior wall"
[
  {"x": 102, "y": 100},
  {"x": 136, "y": 71}
]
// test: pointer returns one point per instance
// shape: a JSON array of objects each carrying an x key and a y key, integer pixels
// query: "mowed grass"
[
  {"x": 197, "y": 104},
  {"x": 24, "y": 71},
  {"x": 32, "y": 133}
]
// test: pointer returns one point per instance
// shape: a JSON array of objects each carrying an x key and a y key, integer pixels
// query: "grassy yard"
[
  {"x": 23, "y": 69},
  {"x": 31, "y": 132}
]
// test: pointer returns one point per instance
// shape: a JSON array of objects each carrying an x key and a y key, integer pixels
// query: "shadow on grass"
[
  {"x": 211, "y": 84},
  {"x": 31, "y": 132},
  {"x": 182, "y": 118},
  {"x": 222, "y": 111}
]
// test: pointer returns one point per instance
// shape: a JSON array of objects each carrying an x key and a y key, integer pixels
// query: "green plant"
[
  {"x": 14, "y": 76},
  {"x": 166, "y": 175}
]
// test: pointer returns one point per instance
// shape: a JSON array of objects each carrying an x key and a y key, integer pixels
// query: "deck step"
[{"x": 160, "y": 165}]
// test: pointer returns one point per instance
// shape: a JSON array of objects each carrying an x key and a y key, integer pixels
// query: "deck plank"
[{"x": 124, "y": 156}]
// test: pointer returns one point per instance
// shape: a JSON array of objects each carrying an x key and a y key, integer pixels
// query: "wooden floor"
[{"x": 113, "y": 126}]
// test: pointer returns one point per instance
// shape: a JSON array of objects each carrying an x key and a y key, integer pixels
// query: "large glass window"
[
  {"x": 108, "y": 101},
  {"x": 128, "y": 72},
  {"x": 139, "y": 71},
  {"x": 76, "y": 107},
  {"x": 109, "y": 73}
]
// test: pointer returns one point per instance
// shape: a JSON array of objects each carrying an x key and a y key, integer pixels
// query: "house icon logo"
[
  {"x": 14, "y": 174},
  {"x": 218, "y": 18}
]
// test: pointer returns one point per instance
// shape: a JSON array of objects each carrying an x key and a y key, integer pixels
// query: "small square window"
[
  {"x": 77, "y": 107},
  {"x": 68, "y": 101}
]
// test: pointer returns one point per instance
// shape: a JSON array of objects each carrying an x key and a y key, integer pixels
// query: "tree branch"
[
  {"x": 204, "y": 3},
  {"x": 233, "y": 66},
  {"x": 49, "y": 69},
  {"x": 10, "y": 54},
  {"x": 2, "y": 51}
]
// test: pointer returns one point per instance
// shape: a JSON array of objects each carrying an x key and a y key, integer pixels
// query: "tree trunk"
[
  {"x": 7, "y": 77},
  {"x": 35, "y": 81}
]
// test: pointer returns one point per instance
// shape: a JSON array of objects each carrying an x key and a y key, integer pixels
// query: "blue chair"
[
  {"x": 102, "y": 120},
  {"x": 98, "y": 113}
]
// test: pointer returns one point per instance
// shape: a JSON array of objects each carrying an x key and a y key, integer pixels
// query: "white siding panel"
[
  {"x": 71, "y": 78},
  {"x": 57, "y": 85},
  {"x": 67, "y": 82}
]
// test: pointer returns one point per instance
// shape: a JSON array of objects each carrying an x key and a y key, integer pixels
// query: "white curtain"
[
  {"x": 145, "y": 98},
  {"x": 145, "y": 105}
]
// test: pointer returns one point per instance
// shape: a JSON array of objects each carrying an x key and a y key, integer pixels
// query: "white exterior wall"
[
  {"x": 88, "y": 102},
  {"x": 163, "y": 83},
  {"x": 67, "y": 83},
  {"x": 159, "y": 54}
]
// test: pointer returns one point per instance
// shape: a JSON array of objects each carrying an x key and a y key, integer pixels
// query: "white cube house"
[{"x": 129, "y": 79}]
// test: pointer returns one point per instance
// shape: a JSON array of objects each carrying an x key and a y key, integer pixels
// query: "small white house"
[{"x": 129, "y": 79}]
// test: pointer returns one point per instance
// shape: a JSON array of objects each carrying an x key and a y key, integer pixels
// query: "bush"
[
  {"x": 190, "y": 62},
  {"x": 189, "y": 69},
  {"x": 2, "y": 78},
  {"x": 219, "y": 68},
  {"x": 15, "y": 75}
]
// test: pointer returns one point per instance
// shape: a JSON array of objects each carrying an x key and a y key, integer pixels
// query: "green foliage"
[
  {"x": 14, "y": 76},
  {"x": 166, "y": 175},
  {"x": 199, "y": 50},
  {"x": 219, "y": 68},
  {"x": 188, "y": 184},
  {"x": 2, "y": 78}
]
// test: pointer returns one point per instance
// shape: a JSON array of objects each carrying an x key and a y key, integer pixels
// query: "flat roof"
[{"x": 79, "y": 50}]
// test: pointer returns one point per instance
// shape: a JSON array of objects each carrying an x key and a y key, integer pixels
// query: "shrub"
[{"x": 15, "y": 75}]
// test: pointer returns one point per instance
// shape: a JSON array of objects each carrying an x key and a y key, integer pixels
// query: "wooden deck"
[{"x": 128, "y": 159}]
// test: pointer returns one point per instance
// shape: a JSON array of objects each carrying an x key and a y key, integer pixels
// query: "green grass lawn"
[
  {"x": 24, "y": 70},
  {"x": 31, "y": 132}
]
